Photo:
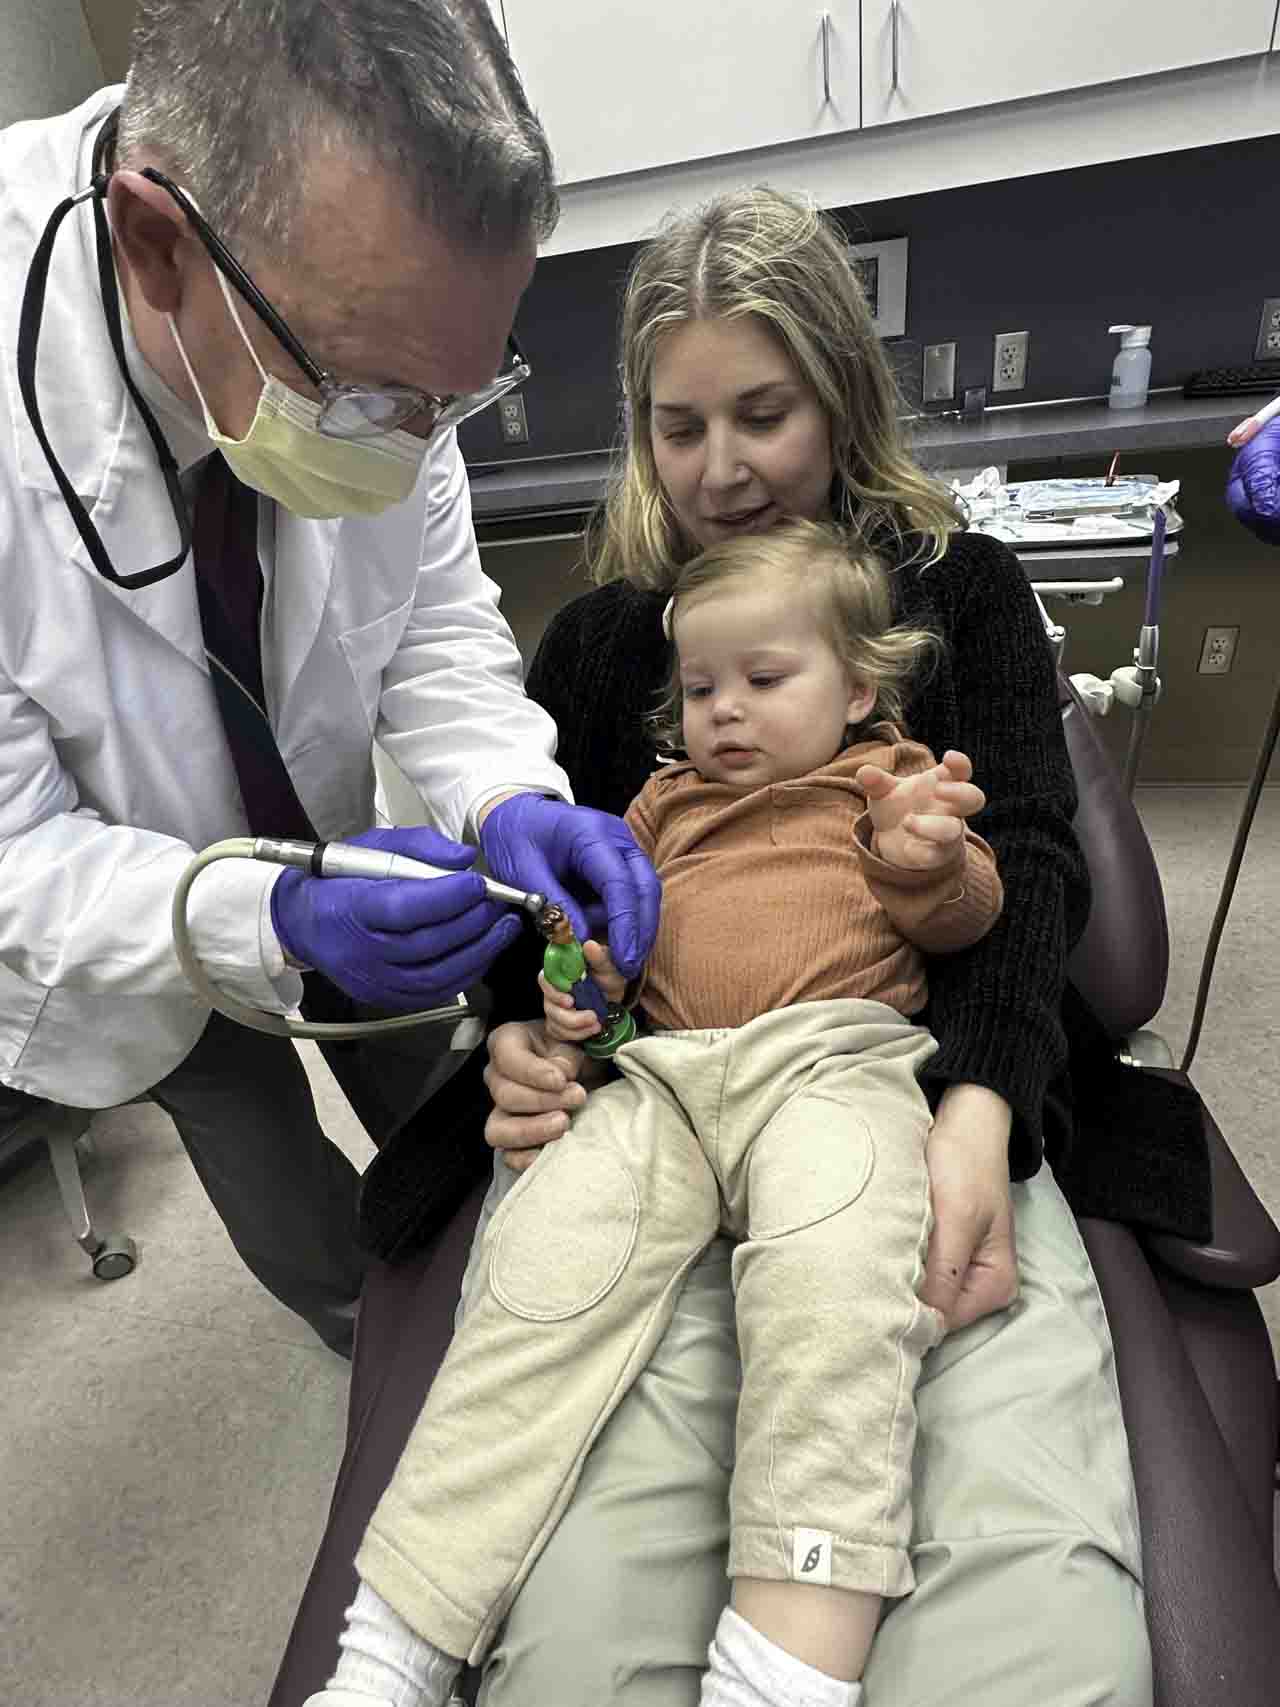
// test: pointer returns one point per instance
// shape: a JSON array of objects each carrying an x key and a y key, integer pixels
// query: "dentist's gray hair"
[{"x": 235, "y": 95}]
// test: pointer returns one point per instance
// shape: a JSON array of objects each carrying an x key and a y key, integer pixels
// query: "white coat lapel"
[
  {"x": 138, "y": 528},
  {"x": 301, "y": 576}
]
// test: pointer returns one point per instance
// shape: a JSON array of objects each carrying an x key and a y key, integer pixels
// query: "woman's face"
[{"x": 739, "y": 437}]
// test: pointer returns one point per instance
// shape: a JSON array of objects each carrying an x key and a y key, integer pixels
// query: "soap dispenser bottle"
[{"x": 1131, "y": 370}]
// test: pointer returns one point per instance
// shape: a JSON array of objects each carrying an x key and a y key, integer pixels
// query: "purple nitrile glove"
[
  {"x": 402, "y": 943},
  {"x": 1253, "y": 486},
  {"x": 542, "y": 844}
]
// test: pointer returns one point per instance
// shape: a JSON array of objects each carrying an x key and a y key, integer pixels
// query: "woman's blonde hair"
[
  {"x": 760, "y": 252},
  {"x": 848, "y": 594}
]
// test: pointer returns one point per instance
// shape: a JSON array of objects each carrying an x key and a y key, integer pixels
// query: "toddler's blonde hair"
[{"x": 850, "y": 598}]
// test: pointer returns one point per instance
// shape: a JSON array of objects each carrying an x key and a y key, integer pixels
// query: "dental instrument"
[
  {"x": 1252, "y": 425},
  {"x": 322, "y": 859},
  {"x": 340, "y": 859}
]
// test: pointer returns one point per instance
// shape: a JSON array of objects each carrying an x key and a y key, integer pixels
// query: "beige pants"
[
  {"x": 803, "y": 1135},
  {"x": 1025, "y": 1541}
]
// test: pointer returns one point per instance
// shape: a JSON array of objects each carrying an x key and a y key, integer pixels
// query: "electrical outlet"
[
  {"x": 1218, "y": 651},
  {"x": 515, "y": 425},
  {"x": 1009, "y": 367},
  {"x": 1268, "y": 345}
]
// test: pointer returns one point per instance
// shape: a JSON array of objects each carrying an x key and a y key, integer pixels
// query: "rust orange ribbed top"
[{"x": 773, "y": 895}]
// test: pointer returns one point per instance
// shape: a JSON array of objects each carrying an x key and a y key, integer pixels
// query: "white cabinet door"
[
  {"x": 936, "y": 56},
  {"x": 628, "y": 85}
]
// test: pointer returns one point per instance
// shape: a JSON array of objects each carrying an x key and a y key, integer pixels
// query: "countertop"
[
  {"x": 1168, "y": 422},
  {"x": 544, "y": 487}
]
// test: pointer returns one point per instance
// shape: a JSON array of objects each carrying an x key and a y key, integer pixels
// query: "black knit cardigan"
[{"x": 997, "y": 1009}]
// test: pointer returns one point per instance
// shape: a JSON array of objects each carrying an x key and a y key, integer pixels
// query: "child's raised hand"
[
  {"x": 919, "y": 819},
  {"x": 567, "y": 1023}
]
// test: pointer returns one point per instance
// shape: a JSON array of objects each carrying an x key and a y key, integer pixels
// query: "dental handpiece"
[{"x": 340, "y": 859}]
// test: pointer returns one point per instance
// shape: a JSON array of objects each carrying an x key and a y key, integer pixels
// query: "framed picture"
[{"x": 882, "y": 272}]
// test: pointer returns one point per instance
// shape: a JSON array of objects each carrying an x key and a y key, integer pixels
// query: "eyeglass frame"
[{"x": 450, "y": 409}]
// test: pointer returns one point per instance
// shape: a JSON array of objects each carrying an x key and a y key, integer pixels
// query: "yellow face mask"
[{"x": 284, "y": 456}]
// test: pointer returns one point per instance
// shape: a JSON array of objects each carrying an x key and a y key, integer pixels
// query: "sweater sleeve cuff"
[
  {"x": 944, "y": 908},
  {"x": 1004, "y": 1065},
  {"x": 944, "y": 878}
]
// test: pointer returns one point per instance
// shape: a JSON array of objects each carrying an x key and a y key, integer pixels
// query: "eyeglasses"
[{"x": 350, "y": 411}]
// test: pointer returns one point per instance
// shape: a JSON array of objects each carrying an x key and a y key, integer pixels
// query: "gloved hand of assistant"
[
  {"x": 1253, "y": 486},
  {"x": 559, "y": 850},
  {"x": 401, "y": 943}
]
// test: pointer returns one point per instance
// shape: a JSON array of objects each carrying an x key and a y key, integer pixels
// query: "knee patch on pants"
[
  {"x": 562, "y": 1240},
  {"x": 796, "y": 1179}
]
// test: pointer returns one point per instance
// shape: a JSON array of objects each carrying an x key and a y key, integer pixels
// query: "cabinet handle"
[
  {"x": 893, "y": 23},
  {"x": 826, "y": 58}
]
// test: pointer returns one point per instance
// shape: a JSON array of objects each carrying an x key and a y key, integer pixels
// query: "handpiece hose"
[{"x": 322, "y": 859}]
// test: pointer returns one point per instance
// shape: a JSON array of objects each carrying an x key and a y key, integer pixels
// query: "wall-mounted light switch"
[
  {"x": 515, "y": 425},
  {"x": 939, "y": 382}
]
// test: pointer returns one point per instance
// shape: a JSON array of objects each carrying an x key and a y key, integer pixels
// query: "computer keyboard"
[{"x": 1233, "y": 381}]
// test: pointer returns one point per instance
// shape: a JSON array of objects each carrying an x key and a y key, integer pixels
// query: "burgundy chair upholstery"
[
  {"x": 1121, "y": 963},
  {"x": 403, "y": 1331},
  {"x": 1193, "y": 1357}
]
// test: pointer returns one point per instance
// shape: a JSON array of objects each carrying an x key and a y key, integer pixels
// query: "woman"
[{"x": 757, "y": 390}]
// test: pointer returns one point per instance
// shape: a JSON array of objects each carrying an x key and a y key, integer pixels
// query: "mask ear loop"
[
  {"x": 229, "y": 298},
  {"x": 211, "y": 426},
  {"x": 33, "y": 298}
]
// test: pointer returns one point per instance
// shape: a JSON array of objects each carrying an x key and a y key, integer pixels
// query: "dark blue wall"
[{"x": 1187, "y": 241}]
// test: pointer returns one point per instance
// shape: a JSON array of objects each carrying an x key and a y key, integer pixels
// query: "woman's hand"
[
  {"x": 566, "y": 1023},
  {"x": 533, "y": 1081},
  {"x": 972, "y": 1266},
  {"x": 919, "y": 819}
]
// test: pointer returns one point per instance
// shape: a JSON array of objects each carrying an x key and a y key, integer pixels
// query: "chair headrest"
[{"x": 1121, "y": 963}]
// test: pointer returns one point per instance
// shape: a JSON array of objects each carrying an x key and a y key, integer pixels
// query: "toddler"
[{"x": 810, "y": 855}]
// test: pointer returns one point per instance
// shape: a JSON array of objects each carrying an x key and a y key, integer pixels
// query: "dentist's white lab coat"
[{"x": 113, "y": 763}]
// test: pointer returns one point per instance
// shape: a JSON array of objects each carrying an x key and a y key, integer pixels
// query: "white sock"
[
  {"x": 746, "y": 1669},
  {"x": 384, "y": 1663}
]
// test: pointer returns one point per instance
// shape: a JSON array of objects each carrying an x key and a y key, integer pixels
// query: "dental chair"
[
  {"x": 26, "y": 1120},
  {"x": 1195, "y": 1368}
]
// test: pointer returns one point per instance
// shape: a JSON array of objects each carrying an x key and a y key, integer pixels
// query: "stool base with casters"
[{"x": 26, "y": 1120}]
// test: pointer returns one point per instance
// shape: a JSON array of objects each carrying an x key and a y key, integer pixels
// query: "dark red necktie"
[{"x": 229, "y": 587}]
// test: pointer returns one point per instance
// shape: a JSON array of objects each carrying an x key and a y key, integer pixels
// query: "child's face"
[{"x": 765, "y": 696}]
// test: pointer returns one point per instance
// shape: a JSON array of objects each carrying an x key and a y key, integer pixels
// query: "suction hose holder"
[{"x": 1142, "y": 674}]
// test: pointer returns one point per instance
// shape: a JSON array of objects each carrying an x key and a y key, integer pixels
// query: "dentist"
[{"x": 244, "y": 303}]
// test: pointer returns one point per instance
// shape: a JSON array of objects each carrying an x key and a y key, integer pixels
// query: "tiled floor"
[{"x": 168, "y": 1442}]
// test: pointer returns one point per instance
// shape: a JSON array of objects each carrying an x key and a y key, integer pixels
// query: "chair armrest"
[
  {"x": 1212, "y": 1601},
  {"x": 1244, "y": 1252}
]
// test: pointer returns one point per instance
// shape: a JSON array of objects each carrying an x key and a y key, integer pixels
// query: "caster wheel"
[{"x": 115, "y": 1259}]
